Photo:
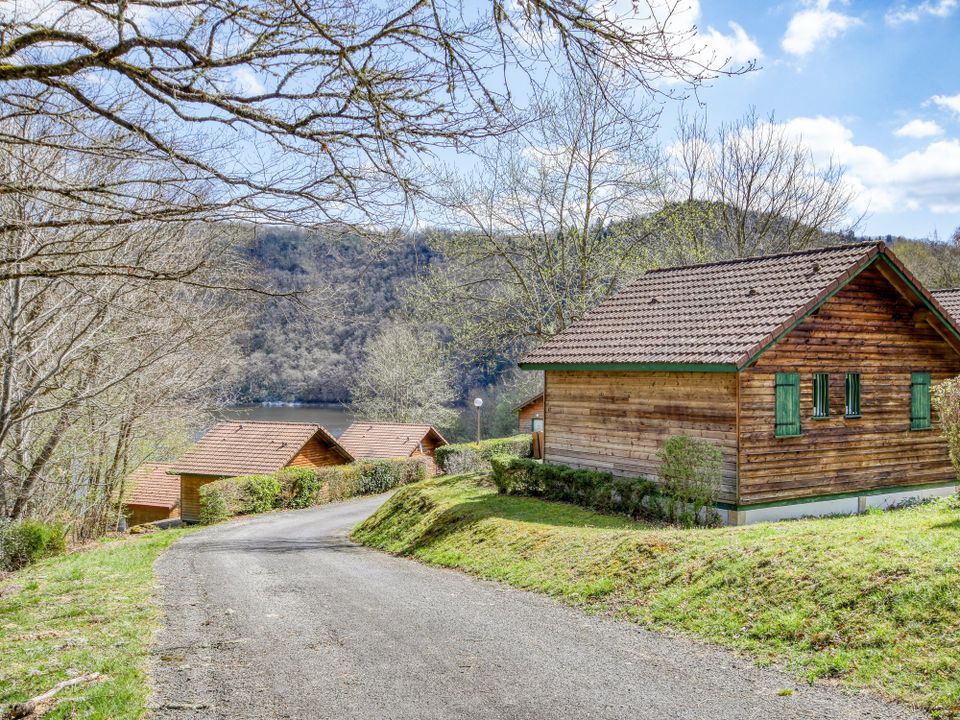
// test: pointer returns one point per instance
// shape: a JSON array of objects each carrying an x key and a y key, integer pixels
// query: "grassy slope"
[
  {"x": 89, "y": 611},
  {"x": 873, "y": 601}
]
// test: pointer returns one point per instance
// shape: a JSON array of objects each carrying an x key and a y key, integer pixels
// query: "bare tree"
[
  {"x": 753, "y": 189},
  {"x": 311, "y": 109},
  {"x": 405, "y": 377},
  {"x": 549, "y": 223}
]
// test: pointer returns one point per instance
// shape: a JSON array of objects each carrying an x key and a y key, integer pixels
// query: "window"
[
  {"x": 920, "y": 401},
  {"x": 787, "y": 423},
  {"x": 821, "y": 395},
  {"x": 537, "y": 424},
  {"x": 852, "y": 396}
]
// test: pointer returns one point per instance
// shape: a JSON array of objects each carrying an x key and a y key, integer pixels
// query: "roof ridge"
[
  {"x": 950, "y": 289},
  {"x": 753, "y": 258}
]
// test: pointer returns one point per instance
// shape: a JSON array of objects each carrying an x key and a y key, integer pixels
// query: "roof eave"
[{"x": 632, "y": 367}]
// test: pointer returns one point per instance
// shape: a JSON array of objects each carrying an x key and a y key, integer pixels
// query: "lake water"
[{"x": 335, "y": 418}]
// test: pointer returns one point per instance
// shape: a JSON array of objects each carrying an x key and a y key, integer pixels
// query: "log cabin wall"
[
  {"x": 317, "y": 453},
  {"x": 190, "y": 495},
  {"x": 140, "y": 514},
  {"x": 617, "y": 421},
  {"x": 871, "y": 328},
  {"x": 527, "y": 414}
]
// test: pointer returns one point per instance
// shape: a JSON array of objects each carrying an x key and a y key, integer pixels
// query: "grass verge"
[
  {"x": 89, "y": 611},
  {"x": 871, "y": 601}
]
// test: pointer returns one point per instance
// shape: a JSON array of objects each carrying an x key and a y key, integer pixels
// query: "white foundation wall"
[{"x": 840, "y": 506}]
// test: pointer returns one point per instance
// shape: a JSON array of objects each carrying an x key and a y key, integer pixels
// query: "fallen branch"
[{"x": 29, "y": 707}]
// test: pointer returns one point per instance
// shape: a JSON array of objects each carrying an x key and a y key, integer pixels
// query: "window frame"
[
  {"x": 821, "y": 394},
  {"x": 847, "y": 385}
]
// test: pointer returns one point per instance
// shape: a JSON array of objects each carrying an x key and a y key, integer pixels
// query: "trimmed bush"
[
  {"x": 475, "y": 457},
  {"x": 244, "y": 495},
  {"x": 634, "y": 497},
  {"x": 690, "y": 473},
  {"x": 26, "y": 541},
  {"x": 305, "y": 487}
]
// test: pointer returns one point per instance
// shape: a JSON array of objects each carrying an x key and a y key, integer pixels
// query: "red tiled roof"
[
  {"x": 950, "y": 300},
  {"x": 153, "y": 486},
  {"x": 386, "y": 440},
  {"x": 250, "y": 448},
  {"x": 715, "y": 314}
]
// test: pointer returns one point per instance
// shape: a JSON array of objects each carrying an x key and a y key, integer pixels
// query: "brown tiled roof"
[
  {"x": 950, "y": 300},
  {"x": 386, "y": 440},
  {"x": 250, "y": 448},
  {"x": 715, "y": 314},
  {"x": 153, "y": 486}
]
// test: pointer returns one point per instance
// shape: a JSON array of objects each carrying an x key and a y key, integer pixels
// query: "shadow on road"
[{"x": 276, "y": 545}]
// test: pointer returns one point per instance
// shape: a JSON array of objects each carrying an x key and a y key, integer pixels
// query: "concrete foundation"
[{"x": 853, "y": 505}]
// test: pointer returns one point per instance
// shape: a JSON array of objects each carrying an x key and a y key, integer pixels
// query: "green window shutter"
[
  {"x": 821, "y": 395},
  {"x": 920, "y": 401},
  {"x": 852, "y": 395},
  {"x": 787, "y": 421}
]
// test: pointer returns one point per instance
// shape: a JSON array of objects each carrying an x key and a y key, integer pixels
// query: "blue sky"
[{"x": 875, "y": 84}]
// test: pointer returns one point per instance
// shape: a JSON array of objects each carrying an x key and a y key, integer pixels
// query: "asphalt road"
[{"x": 281, "y": 616}]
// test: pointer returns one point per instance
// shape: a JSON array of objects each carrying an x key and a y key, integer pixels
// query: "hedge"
[
  {"x": 634, "y": 496},
  {"x": 26, "y": 541},
  {"x": 475, "y": 457},
  {"x": 293, "y": 488}
]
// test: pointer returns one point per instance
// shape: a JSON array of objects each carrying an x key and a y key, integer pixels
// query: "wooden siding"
[
  {"x": 527, "y": 413},
  {"x": 140, "y": 514},
  {"x": 317, "y": 453},
  {"x": 430, "y": 446},
  {"x": 872, "y": 328},
  {"x": 617, "y": 421}
]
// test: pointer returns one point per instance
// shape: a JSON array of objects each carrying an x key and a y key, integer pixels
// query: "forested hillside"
[{"x": 304, "y": 350}]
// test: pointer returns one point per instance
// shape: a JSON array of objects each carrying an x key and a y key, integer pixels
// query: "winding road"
[{"x": 281, "y": 616}]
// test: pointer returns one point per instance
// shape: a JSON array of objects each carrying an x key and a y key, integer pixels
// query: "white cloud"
[
  {"x": 814, "y": 26},
  {"x": 247, "y": 82},
  {"x": 951, "y": 102},
  {"x": 915, "y": 13},
  {"x": 680, "y": 21},
  {"x": 919, "y": 129},
  {"x": 923, "y": 179}
]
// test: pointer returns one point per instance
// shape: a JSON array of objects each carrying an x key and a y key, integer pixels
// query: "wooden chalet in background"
[
  {"x": 155, "y": 495},
  {"x": 530, "y": 414},
  {"x": 392, "y": 440},
  {"x": 811, "y": 371},
  {"x": 252, "y": 448}
]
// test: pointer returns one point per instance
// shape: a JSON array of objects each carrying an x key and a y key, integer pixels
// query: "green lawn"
[
  {"x": 89, "y": 611},
  {"x": 870, "y": 601}
]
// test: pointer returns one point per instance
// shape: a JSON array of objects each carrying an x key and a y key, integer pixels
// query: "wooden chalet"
[
  {"x": 252, "y": 448},
  {"x": 530, "y": 414},
  {"x": 392, "y": 440},
  {"x": 811, "y": 371},
  {"x": 154, "y": 495}
]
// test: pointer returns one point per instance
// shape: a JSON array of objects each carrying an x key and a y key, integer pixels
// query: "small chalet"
[
  {"x": 811, "y": 371},
  {"x": 155, "y": 495},
  {"x": 392, "y": 440},
  {"x": 530, "y": 414},
  {"x": 252, "y": 448}
]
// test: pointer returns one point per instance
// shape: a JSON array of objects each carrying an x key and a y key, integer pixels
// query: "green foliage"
[
  {"x": 243, "y": 495},
  {"x": 690, "y": 475},
  {"x": 634, "y": 497},
  {"x": 460, "y": 458},
  {"x": 293, "y": 488},
  {"x": 24, "y": 542},
  {"x": 945, "y": 397},
  {"x": 868, "y": 601}
]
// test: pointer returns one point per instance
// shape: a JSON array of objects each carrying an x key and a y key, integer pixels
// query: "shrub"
[
  {"x": 225, "y": 498},
  {"x": 946, "y": 399},
  {"x": 475, "y": 457},
  {"x": 305, "y": 487},
  {"x": 634, "y": 497},
  {"x": 26, "y": 541},
  {"x": 690, "y": 474}
]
